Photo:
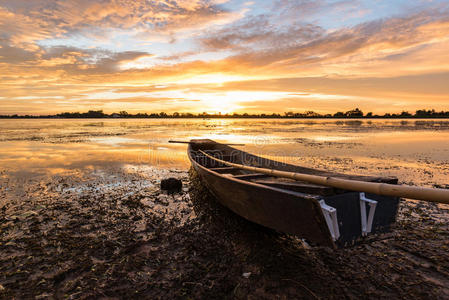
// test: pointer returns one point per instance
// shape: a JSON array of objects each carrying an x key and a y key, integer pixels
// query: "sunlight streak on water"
[{"x": 415, "y": 151}]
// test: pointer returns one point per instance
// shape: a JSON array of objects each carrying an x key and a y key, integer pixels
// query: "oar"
[
  {"x": 189, "y": 142},
  {"x": 385, "y": 189}
]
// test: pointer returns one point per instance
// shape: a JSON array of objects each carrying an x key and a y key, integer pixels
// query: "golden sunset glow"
[{"x": 223, "y": 56}]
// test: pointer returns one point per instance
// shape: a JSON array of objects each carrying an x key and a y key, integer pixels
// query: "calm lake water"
[{"x": 415, "y": 151}]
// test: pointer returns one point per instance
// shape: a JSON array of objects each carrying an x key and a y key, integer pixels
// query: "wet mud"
[{"x": 111, "y": 233}]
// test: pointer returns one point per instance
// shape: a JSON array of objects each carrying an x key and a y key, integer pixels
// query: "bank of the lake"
[{"x": 111, "y": 232}]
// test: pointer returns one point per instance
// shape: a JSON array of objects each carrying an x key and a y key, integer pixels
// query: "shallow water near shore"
[
  {"x": 415, "y": 151},
  {"x": 82, "y": 215}
]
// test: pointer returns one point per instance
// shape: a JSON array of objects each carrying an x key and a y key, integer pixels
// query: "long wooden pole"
[
  {"x": 385, "y": 189},
  {"x": 188, "y": 142}
]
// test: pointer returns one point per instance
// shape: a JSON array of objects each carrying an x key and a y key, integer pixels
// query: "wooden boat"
[{"x": 320, "y": 214}]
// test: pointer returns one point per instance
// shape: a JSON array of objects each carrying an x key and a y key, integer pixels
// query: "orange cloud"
[{"x": 258, "y": 63}]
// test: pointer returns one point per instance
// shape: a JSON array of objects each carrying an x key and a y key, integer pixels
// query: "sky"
[{"x": 223, "y": 56}]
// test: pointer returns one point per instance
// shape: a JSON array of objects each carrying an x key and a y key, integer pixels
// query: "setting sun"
[{"x": 223, "y": 56}]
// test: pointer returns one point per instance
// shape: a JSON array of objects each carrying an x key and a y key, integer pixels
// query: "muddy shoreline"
[{"x": 112, "y": 233}]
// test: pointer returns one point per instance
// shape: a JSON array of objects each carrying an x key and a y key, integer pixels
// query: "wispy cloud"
[{"x": 79, "y": 54}]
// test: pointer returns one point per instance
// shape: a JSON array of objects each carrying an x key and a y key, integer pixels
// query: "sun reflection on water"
[{"x": 415, "y": 152}]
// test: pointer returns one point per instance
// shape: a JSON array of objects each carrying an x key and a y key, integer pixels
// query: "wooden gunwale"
[{"x": 384, "y": 189}]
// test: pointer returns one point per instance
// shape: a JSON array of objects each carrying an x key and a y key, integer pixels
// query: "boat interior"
[{"x": 227, "y": 153}]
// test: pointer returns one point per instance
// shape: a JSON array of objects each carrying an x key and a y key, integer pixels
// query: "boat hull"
[
  {"x": 286, "y": 210},
  {"x": 289, "y": 213}
]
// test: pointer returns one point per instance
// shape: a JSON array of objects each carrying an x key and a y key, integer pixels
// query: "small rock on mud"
[{"x": 172, "y": 185}]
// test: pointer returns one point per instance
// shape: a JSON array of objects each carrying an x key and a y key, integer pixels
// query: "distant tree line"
[{"x": 354, "y": 113}]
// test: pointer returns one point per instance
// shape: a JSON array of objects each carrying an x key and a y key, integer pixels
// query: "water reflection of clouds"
[
  {"x": 115, "y": 141},
  {"x": 66, "y": 145}
]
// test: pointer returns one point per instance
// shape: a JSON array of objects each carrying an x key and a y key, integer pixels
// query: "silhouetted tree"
[
  {"x": 405, "y": 114},
  {"x": 355, "y": 113},
  {"x": 339, "y": 114}
]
